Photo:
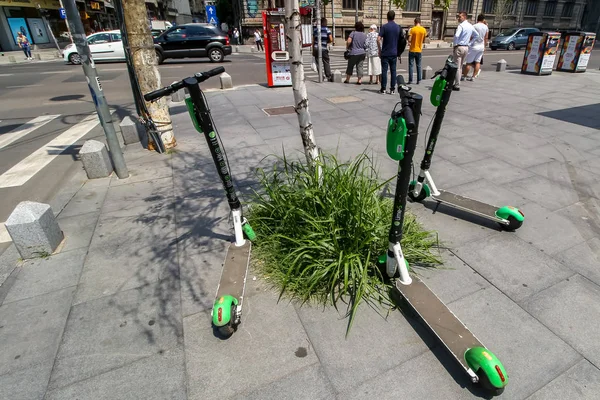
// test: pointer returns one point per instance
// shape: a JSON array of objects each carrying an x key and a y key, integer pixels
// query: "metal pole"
[
  {"x": 319, "y": 48},
  {"x": 68, "y": 27},
  {"x": 333, "y": 22},
  {"x": 380, "y": 13},
  {"x": 356, "y": 11},
  {"x": 89, "y": 69},
  {"x": 49, "y": 28}
]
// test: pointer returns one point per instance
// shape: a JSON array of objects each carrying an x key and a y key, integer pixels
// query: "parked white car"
[{"x": 105, "y": 46}]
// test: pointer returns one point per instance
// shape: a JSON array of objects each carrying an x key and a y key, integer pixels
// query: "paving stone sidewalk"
[{"x": 123, "y": 311}]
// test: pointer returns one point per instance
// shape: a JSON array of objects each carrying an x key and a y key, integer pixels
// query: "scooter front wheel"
[
  {"x": 230, "y": 328},
  {"x": 422, "y": 194}
]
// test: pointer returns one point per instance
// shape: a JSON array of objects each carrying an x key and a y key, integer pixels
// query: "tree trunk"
[
  {"x": 145, "y": 64},
  {"x": 292, "y": 16}
]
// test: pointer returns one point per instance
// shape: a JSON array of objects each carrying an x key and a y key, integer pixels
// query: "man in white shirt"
[
  {"x": 463, "y": 36},
  {"x": 477, "y": 48}
]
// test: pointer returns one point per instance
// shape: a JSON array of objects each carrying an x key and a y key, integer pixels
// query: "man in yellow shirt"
[{"x": 416, "y": 36}]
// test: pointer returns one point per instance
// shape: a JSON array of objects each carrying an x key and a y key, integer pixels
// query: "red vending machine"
[
  {"x": 576, "y": 51},
  {"x": 276, "y": 53}
]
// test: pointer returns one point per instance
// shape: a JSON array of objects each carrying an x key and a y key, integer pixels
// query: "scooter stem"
[
  {"x": 237, "y": 227},
  {"x": 397, "y": 261}
]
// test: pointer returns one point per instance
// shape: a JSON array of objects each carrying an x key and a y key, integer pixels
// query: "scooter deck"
[
  {"x": 464, "y": 203},
  {"x": 443, "y": 323},
  {"x": 235, "y": 269}
]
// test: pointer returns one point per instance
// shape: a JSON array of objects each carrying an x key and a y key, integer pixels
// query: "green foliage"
[{"x": 320, "y": 239}]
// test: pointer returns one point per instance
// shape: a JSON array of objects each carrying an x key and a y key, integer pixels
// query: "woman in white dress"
[{"x": 374, "y": 62}]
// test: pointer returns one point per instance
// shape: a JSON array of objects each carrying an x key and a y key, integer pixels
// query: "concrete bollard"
[
  {"x": 226, "y": 82},
  {"x": 130, "y": 130},
  {"x": 95, "y": 159},
  {"x": 253, "y": 49},
  {"x": 337, "y": 76},
  {"x": 237, "y": 49},
  {"x": 34, "y": 230},
  {"x": 426, "y": 74},
  {"x": 501, "y": 66},
  {"x": 37, "y": 56},
  {"x": 12, "y": 59}
]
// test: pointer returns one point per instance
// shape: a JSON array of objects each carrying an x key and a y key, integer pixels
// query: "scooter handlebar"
[{"x": 167, "y": 90}]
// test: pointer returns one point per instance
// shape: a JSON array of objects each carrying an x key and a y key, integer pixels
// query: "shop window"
[
  {"x": 465, "y": 5},
  {"x": 567, "y": 11},
  {"x": 412, "y": 5},
  {"x": 351, "y": 4},
  {"x": 550, "y": 9},
  {"x": 531, "y": 7}
]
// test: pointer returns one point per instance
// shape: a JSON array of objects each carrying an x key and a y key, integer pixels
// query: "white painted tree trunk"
[{"x": 294, "y": 39}]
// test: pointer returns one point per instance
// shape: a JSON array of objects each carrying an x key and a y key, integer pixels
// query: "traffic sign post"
[{"x": 211, "y": 15}]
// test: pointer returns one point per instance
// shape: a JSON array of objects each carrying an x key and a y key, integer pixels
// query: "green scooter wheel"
[
  {"x": 229, "y": 329},
  {"x": 513, "y": 224},
  {"x": 485, "y": 383},
  {"x": 422, "y": 195}
]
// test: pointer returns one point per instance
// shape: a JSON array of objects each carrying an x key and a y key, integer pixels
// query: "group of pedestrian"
[
  {"x": 468, "y": 47},
  {"x": 383, "y": 48},
  {"x": 380, "y": 48}
]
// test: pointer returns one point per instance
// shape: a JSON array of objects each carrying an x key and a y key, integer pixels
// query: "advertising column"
[
  {"x": 576, "y": 51},
  {"x": 540, "y": 53},
  {"x": 586, "y": 51}
]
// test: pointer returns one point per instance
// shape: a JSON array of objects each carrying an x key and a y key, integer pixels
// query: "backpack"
[{"x": 401, "y": 42}]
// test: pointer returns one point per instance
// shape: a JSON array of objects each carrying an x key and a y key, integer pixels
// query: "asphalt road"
[{"x": 42, "y": 102}]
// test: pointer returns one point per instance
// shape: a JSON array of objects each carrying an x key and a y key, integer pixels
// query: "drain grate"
[
  {"x": 280, "y": 110},
  {"x": 343, "y": 99}
]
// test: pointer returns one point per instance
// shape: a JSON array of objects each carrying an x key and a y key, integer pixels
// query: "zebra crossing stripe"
[
  {"x": 36, "y": 161},
  {"x": 25, "y": 129}
]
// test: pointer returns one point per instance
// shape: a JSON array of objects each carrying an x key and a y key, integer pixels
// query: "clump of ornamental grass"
[{"x": 319, "y": 240}]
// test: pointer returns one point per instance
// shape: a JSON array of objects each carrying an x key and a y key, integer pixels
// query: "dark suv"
[{"x": 192, "y": 40}]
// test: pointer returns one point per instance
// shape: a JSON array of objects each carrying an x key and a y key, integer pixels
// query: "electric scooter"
[
  {"x": 510, "y": 218},
  {"x": 481, "y": 365},
  {"x": 227, "y": 310}
]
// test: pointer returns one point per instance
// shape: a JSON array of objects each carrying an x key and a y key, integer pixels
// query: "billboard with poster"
[
  {"x": 277, "y": 57},
  {"x": 568, "y": 54},
  {"x": 550, "y": 50},
  {"x": 533, "y": 55},
  {"x": 38, "y": 30},
  {"x": 586, "y": 51},
  {"x": 18, "y": 25}
]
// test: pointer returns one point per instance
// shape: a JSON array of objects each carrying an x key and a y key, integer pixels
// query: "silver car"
[{"x": 512, "y": 39}]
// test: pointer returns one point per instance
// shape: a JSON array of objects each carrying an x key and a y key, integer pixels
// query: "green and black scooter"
[
  {"x": 481, "y": 365},
  {"x": 227, "y": 310},
  {"x": 510, "y": 218}
]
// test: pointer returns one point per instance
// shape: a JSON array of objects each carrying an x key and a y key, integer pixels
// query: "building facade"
[{"x": 542, "y": 14}]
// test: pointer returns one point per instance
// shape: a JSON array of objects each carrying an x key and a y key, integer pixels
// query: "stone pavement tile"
[
  {"x": 467, "y": 130},
  {"x": 454, "y": 227},
  {"x": 459, "y": 155},
  {"x": 579, "y": 142},
  {"x": 88, "y": 199},
  {"x": 549, "y": 231},
  {"x": 155, "y": 169},
  {"x": 366, "y": 132},
  {"x": 309, "y": 383},
  {"x": 278, "y": 131},
  {"x": 127, "y": 253},
  {"x": 452, "y": 280},
  {"x": 114, "y": 331},
  {"x": 496, "y": 170},
  {"x": 140, "y": 198},
  {"x": 422, "y": 377},
  {"x": 27, "y": 384},
  {"x": 289, "y": 144},
  {"x": 512, "y": 265},
  {"x": 265, "y": 121},
  {"x": 446, "y": 174},
  {"x": 566, "y": 174},
  {"x": 78, "y": 230},
  {"x": 270, "y": 344},
  {"x": 585, "y": 216},
  {"x": 31, "y": 330},
  {"x": 319, "y": 116},
  {"x": 246, "y": 139},
  {"x": 548, "y": 194},
  {"x": 583, "y": 259},
  {"x": 516, "y": 338},
  {"x": 489, "y": 192},
  {"x": 592, "y": 164},
  {"x": 9, "y": 260},
  {"x": 159, "y": 377},
  {"x": 44, "y": 275},
  {"x": 570, "y": 310},
  {"x": 68, "y": 190},
  {"x": 582, "y": 381},
  {"x": 565, "y": 152},
  {"x": 529, "y": 139},
  {"x": 373, "y": 345}
]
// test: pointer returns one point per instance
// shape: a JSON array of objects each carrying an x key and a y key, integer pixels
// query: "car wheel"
[
  {"x": 215, "y": 54},
  {"x": 159, "y": 58},
  {"x": 75, "y": 58},
  {"x": 511, "y": 46}
]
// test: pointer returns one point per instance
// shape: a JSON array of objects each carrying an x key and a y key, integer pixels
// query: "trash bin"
[
  {"x": 540, "y": 53},
  {"x": 576, "y": 51}
]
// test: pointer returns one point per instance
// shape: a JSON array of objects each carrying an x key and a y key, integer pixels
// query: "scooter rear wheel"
[
  {"x": 485, "y": 383},
  {"x": 513, "y": 224},
  {"x": 229, "y": 329}
]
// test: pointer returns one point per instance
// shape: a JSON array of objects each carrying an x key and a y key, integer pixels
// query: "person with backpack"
[{"x": 391, "y": 45}]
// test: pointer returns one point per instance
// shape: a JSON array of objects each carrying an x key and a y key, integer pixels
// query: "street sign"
[
  {"x": 211, "y": 15},
  {"x": 62, "y": 13}
]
